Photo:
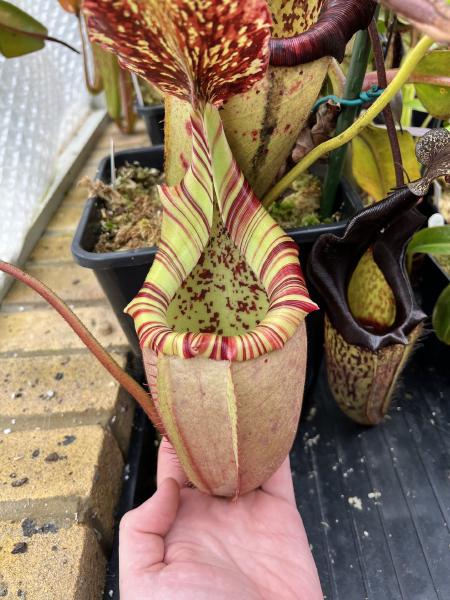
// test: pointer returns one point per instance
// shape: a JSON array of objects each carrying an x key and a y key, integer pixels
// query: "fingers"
[
  {"x": 169, "y": 465},
  {"x": 141, "y": 543},
  {"x": 280, "y": 484}
]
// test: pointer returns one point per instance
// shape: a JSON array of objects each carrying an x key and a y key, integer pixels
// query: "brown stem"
[
  {"x": 390, "y": 36},
  {"x": 125, "y": 380},
  {"x": 128, "y": 117},
  {"x": 387, "y": 112},
  {"x": 96, "y": 85},
  {"x": 371, "y": 79}
]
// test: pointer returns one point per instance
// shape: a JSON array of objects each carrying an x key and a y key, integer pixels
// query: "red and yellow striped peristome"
[
  {"x": 226, "y": 283},
  {"x": 214, "y": 182}
]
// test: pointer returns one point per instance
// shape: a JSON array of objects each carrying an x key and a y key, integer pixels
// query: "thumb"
[{"x": 142, "y": 531}]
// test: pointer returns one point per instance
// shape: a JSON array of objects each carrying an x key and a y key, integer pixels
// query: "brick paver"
[{"x": 64, "y": 424}]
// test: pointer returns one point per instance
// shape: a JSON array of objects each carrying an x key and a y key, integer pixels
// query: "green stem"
[
  {"x": 409, "y": 64},
  {"x": 125, "y": 380},
  {"x": 355, "y": 78}
]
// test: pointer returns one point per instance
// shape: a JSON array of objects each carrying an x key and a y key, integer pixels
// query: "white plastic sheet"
[{"x": 43, "y": 101}]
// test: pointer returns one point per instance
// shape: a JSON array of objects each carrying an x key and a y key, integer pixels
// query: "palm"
[{"x": 214, "y": 548}]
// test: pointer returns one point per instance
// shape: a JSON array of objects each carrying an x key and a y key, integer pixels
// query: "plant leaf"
[
  {"x": 435, "y": 98},
  {"x": 441, "y": 316},
  {"x": 372, "y": 163},
  {"x": 20, "y": 33},
  {"x": 109, "y": 72},
  {"x": 168, "y": 43},
  {"x": 429, "y": 16},
  {"x": 432, "y": 240}
]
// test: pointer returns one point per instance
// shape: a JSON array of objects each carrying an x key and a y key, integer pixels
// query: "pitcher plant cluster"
[{"x": 220, "y": 316}]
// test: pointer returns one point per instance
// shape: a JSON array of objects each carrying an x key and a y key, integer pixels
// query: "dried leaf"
[{"x": 433, "y": 151}]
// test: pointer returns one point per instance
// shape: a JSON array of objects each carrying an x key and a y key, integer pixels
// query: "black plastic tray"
[
  {"x": 138, "y": 484},
  {"x": 396, "y": 547},
  {"x": 120, "y": 274}
]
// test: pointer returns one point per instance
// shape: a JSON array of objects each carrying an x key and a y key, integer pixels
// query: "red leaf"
[{"x": 188, "y": 48}]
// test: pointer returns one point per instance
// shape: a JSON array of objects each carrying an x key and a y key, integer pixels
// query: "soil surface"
[
  {"x": 131, "y": 212},
  {"x": 299, "y": 206}
]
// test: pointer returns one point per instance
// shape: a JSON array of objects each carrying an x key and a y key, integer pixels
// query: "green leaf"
[
  {"x": 415, "y": 104},
  {"x": 19, "y": 32},
  {"x": 441, "y": 316},
  {"x": 435, "y": 98},
  {"x": 433, "y": 240},
  {"x": 372, "y": 163}
]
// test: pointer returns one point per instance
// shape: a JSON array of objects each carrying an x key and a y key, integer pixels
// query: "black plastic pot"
[
  {"x": 121, "y": 274},
  {"x": 154, "y": 121}
]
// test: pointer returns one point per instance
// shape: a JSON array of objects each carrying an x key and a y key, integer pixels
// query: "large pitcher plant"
[{"x": 220, "y": 315}]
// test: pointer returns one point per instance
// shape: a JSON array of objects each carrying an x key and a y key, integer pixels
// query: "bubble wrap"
[{"x": 43, "y": 101}]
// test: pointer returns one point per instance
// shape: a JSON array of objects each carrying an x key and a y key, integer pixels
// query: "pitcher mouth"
[
  {"x": 337, "y": 22},
  {"x": 385, "y": 226},
  {"x": 267, "y": 280}
]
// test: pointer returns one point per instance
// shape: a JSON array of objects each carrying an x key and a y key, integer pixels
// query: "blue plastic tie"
[{"x": 368, "y": 96}]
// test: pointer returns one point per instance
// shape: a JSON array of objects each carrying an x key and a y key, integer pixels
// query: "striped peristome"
[{"x": 188, "y": 214}]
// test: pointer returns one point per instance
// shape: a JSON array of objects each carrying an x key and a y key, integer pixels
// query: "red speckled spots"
[{"x": 187, "y": 48}]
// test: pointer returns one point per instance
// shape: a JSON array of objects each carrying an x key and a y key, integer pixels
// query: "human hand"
[{"x": 182, "y": 544}]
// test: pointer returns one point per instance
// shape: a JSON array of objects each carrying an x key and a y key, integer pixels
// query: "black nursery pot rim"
[
  {"x": 140, "y": 256},
  {"x": 121, "y": 258},
  {"x": 148, "y": 108}
]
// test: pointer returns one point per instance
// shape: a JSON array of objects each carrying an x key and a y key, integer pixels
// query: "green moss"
[{"x": 300, "y": 205}]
